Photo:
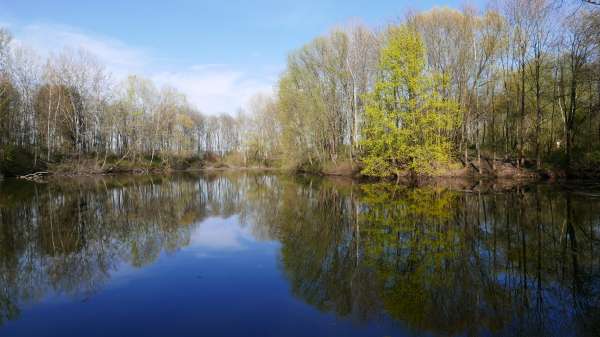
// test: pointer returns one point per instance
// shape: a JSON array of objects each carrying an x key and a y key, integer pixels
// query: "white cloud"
[
  {"x": 213, "y": 88},
  {"x": 47, "y": 39}
]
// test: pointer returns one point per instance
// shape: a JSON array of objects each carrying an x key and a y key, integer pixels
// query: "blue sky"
[{"x": 218, "y": 52}]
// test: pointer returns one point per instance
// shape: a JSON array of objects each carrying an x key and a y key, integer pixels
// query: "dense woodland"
[{"x": 518, "y": 83}]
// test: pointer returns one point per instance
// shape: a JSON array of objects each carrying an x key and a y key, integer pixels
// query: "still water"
[{"x": 274, "y": 255}]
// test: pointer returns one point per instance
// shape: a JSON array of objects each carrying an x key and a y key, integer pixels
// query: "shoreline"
[
  {"x": 522, "y": 178},
  {"x": 475, "y": 170},
  {"x": 466, "y": 184}
]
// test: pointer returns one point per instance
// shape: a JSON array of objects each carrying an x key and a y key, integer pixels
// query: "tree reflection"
[
  {"x": 520, "y": 262},
  {"x": 68, "y": 237},
  {"x": 446, "y": 262}
]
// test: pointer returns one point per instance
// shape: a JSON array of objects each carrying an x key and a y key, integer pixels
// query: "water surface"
[{"x": 273, "y": 255}]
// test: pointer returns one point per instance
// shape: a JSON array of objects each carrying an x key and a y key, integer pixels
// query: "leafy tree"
[{"x": 408, "y": 123}]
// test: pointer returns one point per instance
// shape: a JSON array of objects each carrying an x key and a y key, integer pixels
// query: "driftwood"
[{"x": 36, "y": 176}]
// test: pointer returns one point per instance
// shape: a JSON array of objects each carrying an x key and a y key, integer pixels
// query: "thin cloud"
[
  {"x": 219, "y": 89},
  {"x": 48, "y": 39},
  {"x": 213, "y": 88}
]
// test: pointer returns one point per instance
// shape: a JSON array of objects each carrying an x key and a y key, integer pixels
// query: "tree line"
[
  {"x": 68, "y": 107},
  {"x": 518, "y": 83}
]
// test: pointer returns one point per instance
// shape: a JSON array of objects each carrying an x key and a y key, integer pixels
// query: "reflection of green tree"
[
  {"x": 423, "y": 259},
  {"x": 440, "y": 261}
]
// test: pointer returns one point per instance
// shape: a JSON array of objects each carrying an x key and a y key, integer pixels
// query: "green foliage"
[
  {"x": 16, "y": 161},
  {"x": 408, "y": 123},
  {"x": 593, "y": 158},
  {"x": 298, "y": 116}
]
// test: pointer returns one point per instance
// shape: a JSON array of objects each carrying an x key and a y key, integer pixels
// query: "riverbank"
[
  {"x": 92, "y": 167},
  {"x": 478, "y": 169},
  {"x": 484, "y": 169}
]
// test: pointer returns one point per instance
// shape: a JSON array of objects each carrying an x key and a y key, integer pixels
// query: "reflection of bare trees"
[
  {"x": 522, "y": 262},
  {"x": 69, "y": 237}
]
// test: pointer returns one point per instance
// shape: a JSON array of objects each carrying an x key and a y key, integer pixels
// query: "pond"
[{"x": 243, "y": 254}]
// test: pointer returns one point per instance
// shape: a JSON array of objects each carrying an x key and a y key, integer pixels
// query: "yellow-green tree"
[{"x": 408, "y": 123}]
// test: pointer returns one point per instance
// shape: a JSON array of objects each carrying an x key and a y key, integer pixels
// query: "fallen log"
[{"x": 34, "y": 176}]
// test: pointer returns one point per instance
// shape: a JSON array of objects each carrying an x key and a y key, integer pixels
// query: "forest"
[{"x": 512, "y": 89}]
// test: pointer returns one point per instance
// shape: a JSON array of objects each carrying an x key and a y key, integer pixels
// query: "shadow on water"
[{"x": 440, "y": 261}]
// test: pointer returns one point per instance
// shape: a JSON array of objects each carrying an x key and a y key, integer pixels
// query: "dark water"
[{"x": 261, "y": 255}]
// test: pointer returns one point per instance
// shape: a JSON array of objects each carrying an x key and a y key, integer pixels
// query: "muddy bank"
[
  {"x": 477, "y": 169},
  {"x": 499, "y": 172}
]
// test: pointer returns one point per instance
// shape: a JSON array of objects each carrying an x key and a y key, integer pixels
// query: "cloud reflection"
[{"x": 218, "y": 234}]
